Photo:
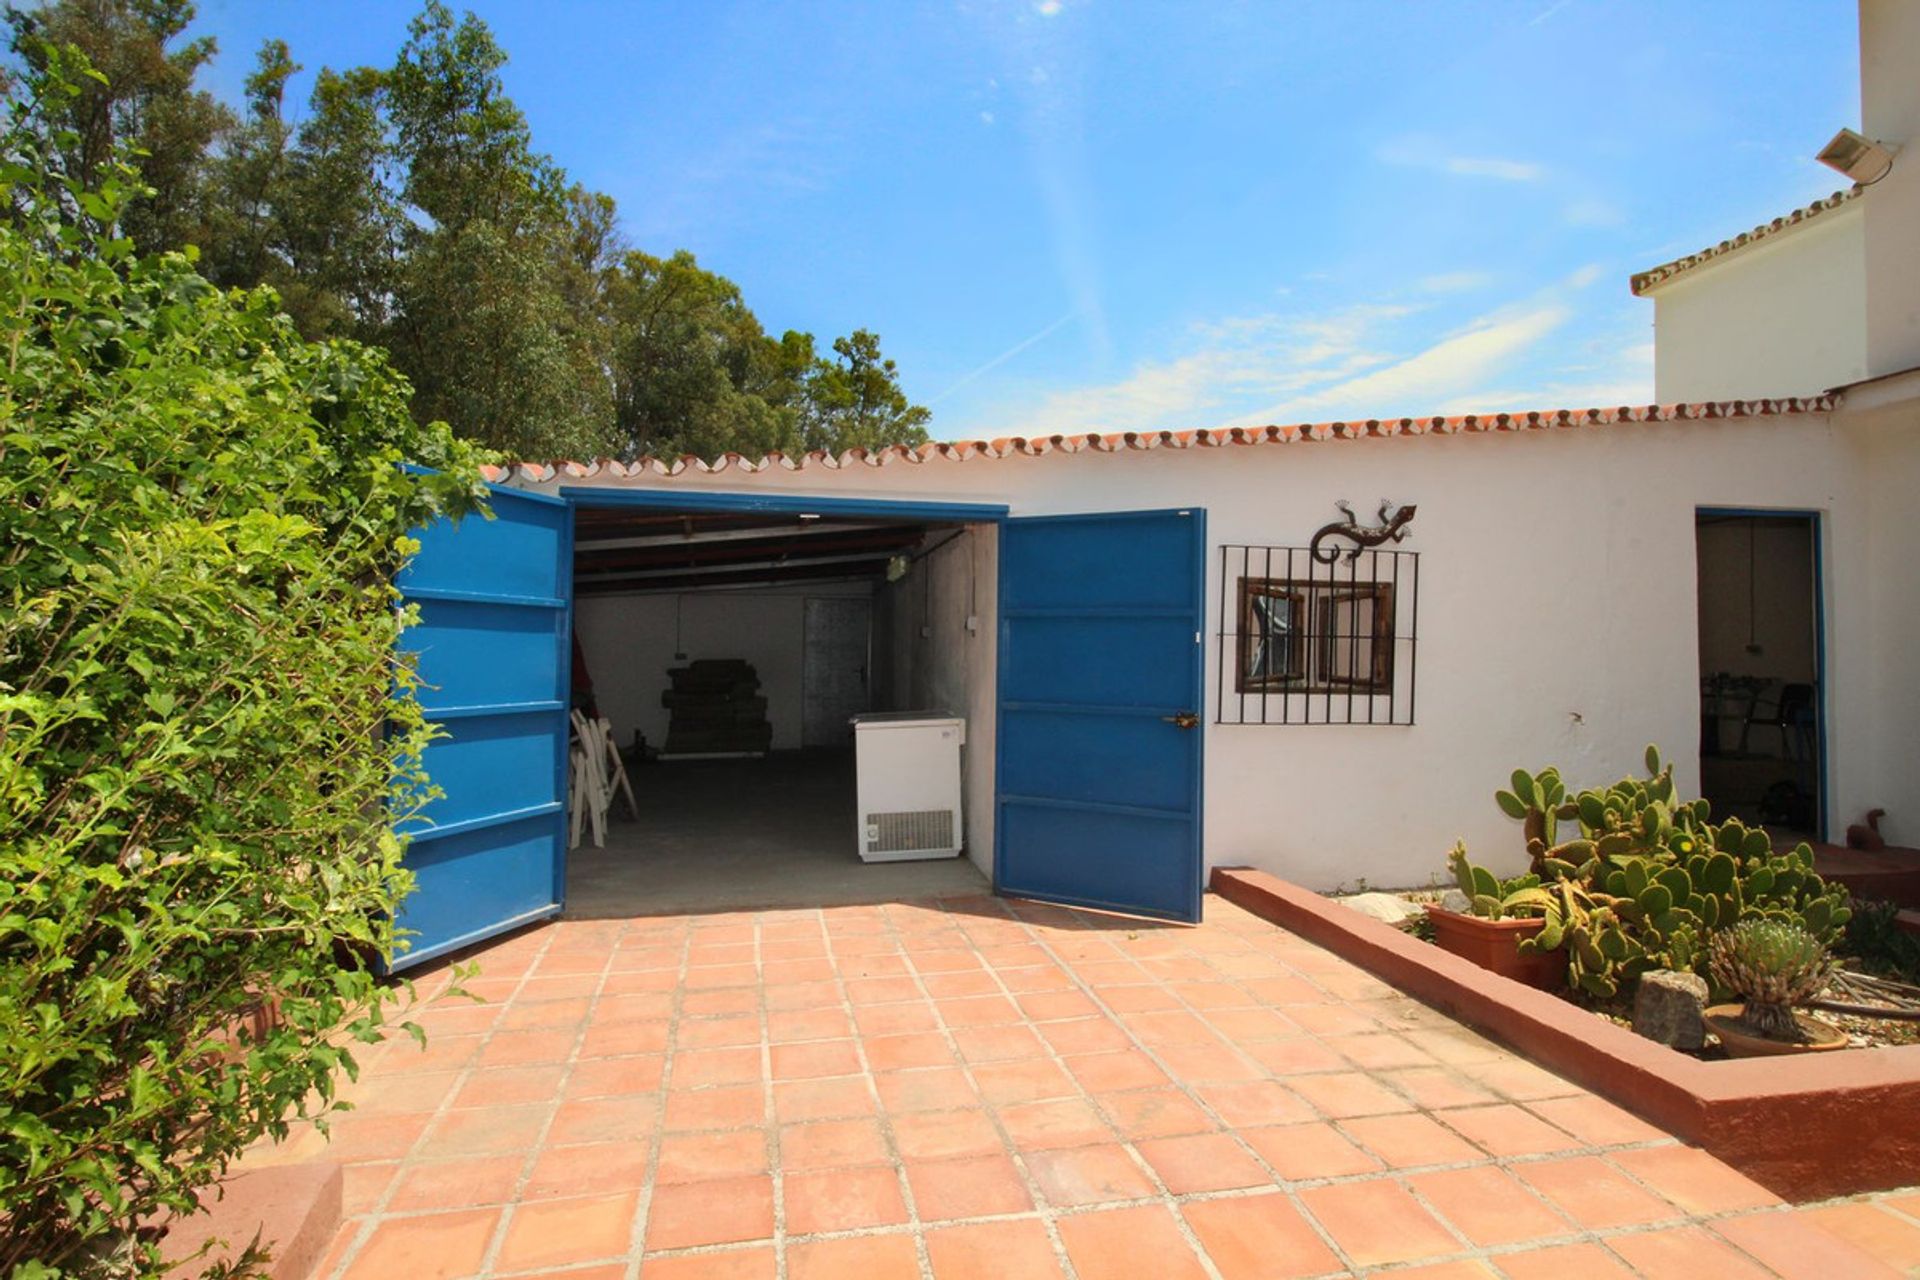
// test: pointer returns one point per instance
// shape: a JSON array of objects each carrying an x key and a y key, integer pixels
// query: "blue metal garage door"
[
  {"x": 489, "y": 853},
  {"x": 1100, "y": 688}
]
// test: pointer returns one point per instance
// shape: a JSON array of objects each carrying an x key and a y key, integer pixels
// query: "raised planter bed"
[
  {"x": 1494, "y": 946},
  {"x": 1806, "y": 1127}
]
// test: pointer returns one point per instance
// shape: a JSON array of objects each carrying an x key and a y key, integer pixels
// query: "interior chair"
[{"x": 1792, "y": 715}]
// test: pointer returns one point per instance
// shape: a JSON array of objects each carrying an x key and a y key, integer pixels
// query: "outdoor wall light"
[{"x": 1858, "y": 156}]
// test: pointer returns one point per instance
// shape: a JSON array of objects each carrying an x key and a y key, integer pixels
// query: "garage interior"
[
  {"x": 729, "y": 651},
  {"x": 1760, "y": 673}
]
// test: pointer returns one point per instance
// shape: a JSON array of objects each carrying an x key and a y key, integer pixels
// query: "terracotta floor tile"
[
  {"x": 618, "y": 1039},
  {"x": 1684, "y": 1253},
  {"x": 701, "y": 1157},
  {"x": 1503, "y": 1129},
  {"x": 712, "y": 1004},
  {"x": 718, "y": 1212},
  {"x": 715, "y": 1033},
  {"x": 520, "y": 1048},
  {"x": 1054, "y": 1006},
  {"x": 1246, "y": 1027},
  {"x": 976, "y": 1011},
  {"x": 1594, "y": 1120},
  {"x": 1489, "y": 1207},
  {"x": 1410, "y": 1140},
  {"x": 1343, "y": 1094},
  {"x": 931, "y": 1089},
  {"x": 1154, "y": 1113},
  {"x": 1376, "y": 1222},
  {"x": 578, "y": 1171},
  {"x": 362, "y": 1186},
  {"x": 726, "y": 1107},
  {"x": 1593, "y": 1193},
  {"x": 814, "y": 1058},
  {"x": 1694, "y": 1180},
  {"x": 797, "y": 996},
  {"x": 895, "y": 1019},
  {"x": 1127, "y": 1244},
  {"x": 1298, "y": 1055},
  {"x": 843, "y": 1199},
  {"x": 553, "y": 1233},
  {"x": 969, "y": 1187},
  {"x": 1379, "y": 1051},
  {"x": 865, "y": 1257},
  {"x": 1148, "y": 998},
  {"x": 1084, "y": 1035},
  {"x": 1203, "y": 1162},
  {"x": 756, "y": 1262},
  {"x": 1114, "y": 1072},
  {"x": 796, "y": 1101},
  {"x": 1254, "y": 1102},
  {"x": 456, "y": 1184},
  {"x": 832, "y": 1144},
  {"x": 437, "y": 1246},
  {"x": 1885, "y": 1235},
  {"x": 648, "y": 1006},
  {"x": 1459, "y": 1269},
  {"x": 1521, "y": 1081},
  {"x": 797, "y": 1025},
  {"x": 867, "y": 991},
  {"x": 1434, "y": 1088},
  {"x": 998, "y": 1043},
  {"x": 696, "y": 1068},
  {"x": 615, "y": 1077},
  {"x": 1306, "y": 1151},
  {"x": 944, "y": 986},
  {"x": 623, "y": 1119},
  {"x": 912, "y": 1049},
  {"x": 940, "y": 1134},
  {"x": 1088, "y": 1175},
  {"x": 993, "y": 1251},
  {"x": 1028, "y": 1080},
  {"x": 1063, "y": 1122},
  {"x": 1565, "y": 1262},
  {"x": 1258, "y": 1238},
  {"x": 376, "y": 1136},
  {"x": 508, "y": 1085},
  {"x": 485, "y": 1131}
]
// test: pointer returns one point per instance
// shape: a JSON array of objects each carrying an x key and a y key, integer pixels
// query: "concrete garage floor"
[{"x": 727, "y": 835}]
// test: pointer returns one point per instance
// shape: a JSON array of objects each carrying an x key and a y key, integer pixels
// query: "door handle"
[{"x": 1183, "y": 720}]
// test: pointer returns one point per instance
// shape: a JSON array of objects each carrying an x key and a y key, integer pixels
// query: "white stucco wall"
[
  {"x": 1890, "y": 113},
  {"x": 1558, "y": 614},
  {"x": 1784, "y": 316},
  {"x": 630, "y": 642}
]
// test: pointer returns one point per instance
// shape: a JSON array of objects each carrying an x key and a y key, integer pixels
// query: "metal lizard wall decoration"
[{"x": 1392, "y": 528}]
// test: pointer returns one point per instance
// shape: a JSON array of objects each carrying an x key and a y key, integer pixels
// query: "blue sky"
[{"x": 1075, "y": 215}]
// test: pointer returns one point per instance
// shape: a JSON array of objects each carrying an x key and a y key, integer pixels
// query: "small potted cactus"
[
  {"x": 1503, "y": 913},
  {"x": 1772, "y": 965}
]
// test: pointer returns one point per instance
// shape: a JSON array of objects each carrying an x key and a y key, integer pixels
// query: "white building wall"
[
  {"x": 1558, "y": 615},
  {"x": 630, "y": 642},
  {"x": 1890, "y": 113},
  {"x": 1785, "y": 316}
]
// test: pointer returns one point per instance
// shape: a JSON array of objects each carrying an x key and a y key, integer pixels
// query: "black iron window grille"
[{"x": 1307, "y": 641}]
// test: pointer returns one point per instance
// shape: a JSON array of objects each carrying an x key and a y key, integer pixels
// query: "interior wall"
[
  {"x": 936, "y": 625},
  {"x": 631, "y": 640},
  {"x": 1781, "y": 603}
]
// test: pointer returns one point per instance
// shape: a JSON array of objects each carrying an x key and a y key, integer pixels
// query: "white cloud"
[
  {"x": 1592, "y": 212},
  {"x": 1585, "y": 276},
  {"x": 1048, "y": 8},
  {"x": 986, "y": 117},
  {"x": 1455, "y": 282},
  {"x": 1428, "y": 153}
]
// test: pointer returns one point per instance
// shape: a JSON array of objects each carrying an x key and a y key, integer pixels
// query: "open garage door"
[
  {"x": 1100, "y": 693},
  {"x": 489, "y": 853}
]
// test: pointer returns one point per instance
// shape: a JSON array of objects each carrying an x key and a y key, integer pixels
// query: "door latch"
[{"x": 1183, "y": 720}]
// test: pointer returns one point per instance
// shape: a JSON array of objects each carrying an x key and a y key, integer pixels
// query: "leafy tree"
[
  {"x": 855, "y": 400},
  {"x": 204, "y": 726}
]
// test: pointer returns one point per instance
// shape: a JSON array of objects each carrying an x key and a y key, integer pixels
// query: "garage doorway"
[
  {"x": 1762, "y": 678},
  {"x": 730, "y": 651}
]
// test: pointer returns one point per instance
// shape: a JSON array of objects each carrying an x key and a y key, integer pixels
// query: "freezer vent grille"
[{"x": 906, "y": 832}]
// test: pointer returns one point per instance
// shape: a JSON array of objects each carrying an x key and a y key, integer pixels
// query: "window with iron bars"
[{"x": 1306, "y": 641}]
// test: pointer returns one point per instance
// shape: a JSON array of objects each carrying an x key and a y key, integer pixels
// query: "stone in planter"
[
  {"x": 1383, "y": 907},
  {"x": 1457, "y": 902},
  {"x": 1667, "y": 1008}
]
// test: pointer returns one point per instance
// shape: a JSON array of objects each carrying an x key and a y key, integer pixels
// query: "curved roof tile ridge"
[
  {"x": 1644, "y": 280},
  {"x": 1003, "y": 447}
]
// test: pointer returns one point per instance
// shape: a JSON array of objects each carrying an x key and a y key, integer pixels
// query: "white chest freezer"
[{"x": 907, "y": 766}]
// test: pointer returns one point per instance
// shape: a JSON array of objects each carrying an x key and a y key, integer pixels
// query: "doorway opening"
[
  {"x": 731, "y": 651},
  {"x": 1762, "y": 741}
]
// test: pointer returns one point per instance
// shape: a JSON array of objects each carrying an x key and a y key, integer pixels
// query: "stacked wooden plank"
[{"x": 715, "y": 708}]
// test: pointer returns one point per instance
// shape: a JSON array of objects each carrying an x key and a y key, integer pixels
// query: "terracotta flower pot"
[
  {"x": 1724, "y": 1021},
  {"x": 1492, "y": 944}
]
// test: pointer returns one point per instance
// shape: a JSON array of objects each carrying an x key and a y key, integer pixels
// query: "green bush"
[{"x": 203, "y": 727}]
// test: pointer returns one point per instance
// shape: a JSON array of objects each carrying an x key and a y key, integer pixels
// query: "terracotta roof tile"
[
  {"x": 1645, "y": 280},
  {"x": 1141, "y": 441}
]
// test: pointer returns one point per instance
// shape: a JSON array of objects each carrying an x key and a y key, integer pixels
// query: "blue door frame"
[
  {"x": 1817, "y": 532},
  {"x": 452, "y": 896}
]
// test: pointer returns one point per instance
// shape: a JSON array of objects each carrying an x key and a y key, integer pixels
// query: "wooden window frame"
[{"x": 1315, "y": 609}]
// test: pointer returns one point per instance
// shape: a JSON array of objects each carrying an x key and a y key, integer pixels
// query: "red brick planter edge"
[{"x": 1807, "y": 1128}]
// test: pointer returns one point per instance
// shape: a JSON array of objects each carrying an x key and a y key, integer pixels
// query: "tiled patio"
[{"x": 978, "y": 1088}]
